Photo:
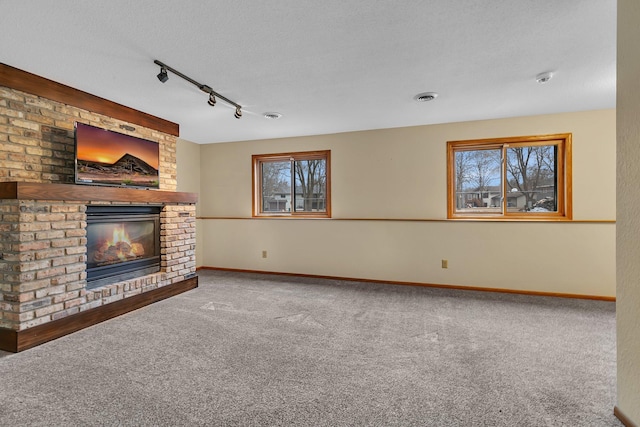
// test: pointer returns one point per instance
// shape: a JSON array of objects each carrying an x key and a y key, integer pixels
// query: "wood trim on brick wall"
[
  {"x": 8, "y": 339},
  {"x": 30, "y": 83},
  {"x": 16, "y": 341},
  {"x": 70, "y": 192}
]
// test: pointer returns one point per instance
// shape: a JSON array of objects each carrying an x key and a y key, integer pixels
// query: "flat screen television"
[{"x": 104, "y": 157}]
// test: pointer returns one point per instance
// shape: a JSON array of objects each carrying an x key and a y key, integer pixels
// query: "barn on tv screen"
[{"x": 105, "y": 157}]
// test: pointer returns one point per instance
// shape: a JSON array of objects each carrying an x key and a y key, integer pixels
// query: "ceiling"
[{"x": 327, "y": 66}]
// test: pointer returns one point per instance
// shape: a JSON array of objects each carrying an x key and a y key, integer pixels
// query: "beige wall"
[
  {"x": 401, "y": 174},
  {"x": 188, "y": 166},
  {"x": 628, "y": 243}
]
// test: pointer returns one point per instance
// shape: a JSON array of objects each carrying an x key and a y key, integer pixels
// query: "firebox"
[{"x": 123, "y": 242}]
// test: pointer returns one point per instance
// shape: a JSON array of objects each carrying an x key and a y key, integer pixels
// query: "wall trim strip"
[{"x": 623, "y": 418}]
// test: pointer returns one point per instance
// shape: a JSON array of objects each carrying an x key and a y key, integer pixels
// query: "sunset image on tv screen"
[{"x": 112, "y": 158}]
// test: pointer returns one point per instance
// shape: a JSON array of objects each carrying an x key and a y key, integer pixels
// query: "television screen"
[{"x": 105, "y": 157}]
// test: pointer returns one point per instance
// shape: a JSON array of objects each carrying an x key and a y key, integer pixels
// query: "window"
[
  {"x": 510, "y": 178},
  {"x": 292, "y": 184}
]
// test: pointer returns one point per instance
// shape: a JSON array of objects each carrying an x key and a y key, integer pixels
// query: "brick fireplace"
[
  {"x": 43, "y": 269},
  {"x": 45, "y": 291}
]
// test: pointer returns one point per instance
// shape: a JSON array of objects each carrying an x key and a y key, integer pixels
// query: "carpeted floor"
[{"x": 260, "y": 350}]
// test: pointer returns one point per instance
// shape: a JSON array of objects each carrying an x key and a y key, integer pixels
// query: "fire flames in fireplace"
[
  {"x": 118, "y": 248},
  {"x": 122, "y": 242}
]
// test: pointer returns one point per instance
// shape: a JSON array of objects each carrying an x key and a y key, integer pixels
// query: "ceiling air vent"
[{"x": 425, "y": 96}]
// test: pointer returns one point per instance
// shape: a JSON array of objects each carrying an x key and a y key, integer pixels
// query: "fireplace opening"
[{"x": 123, "y": 242}]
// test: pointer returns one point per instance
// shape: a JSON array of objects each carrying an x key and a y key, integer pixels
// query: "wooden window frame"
[
  {"x": 258, "y": 159},
  {"x": 564, "y": 177}
]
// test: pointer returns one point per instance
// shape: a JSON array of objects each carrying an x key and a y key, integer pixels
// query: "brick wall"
[
  {"x": 178, "y": 240},
  {"x": 42, "y": 269},
  {"x": 43, "y": 242},
  {"x": 36, "y": 139},
  {"x": 43, "y": 260}
]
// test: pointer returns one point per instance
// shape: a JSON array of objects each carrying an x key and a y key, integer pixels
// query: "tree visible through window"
[
  {"x": 523, "y": 177},
  {"x": 292, "y": 184}
]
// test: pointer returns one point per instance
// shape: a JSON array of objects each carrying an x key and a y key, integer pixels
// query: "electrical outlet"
[
  {"x": 264, "y": 254},
  {"x": 445, "y": 263}
]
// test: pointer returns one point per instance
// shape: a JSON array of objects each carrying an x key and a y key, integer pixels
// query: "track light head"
[
  {"x": 238, "y": 113},
  {"x": 212, "y": 100},
  {"x": 163, "y": 76}
]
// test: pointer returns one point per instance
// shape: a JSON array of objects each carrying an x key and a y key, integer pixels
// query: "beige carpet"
[{"x": 260, "y": 350}]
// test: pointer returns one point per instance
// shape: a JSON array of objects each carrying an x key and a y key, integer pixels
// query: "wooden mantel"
[{"x": 72, "y": 192}]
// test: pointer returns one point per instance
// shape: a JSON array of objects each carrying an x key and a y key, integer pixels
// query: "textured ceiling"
[{"x": 328, "y": 66}]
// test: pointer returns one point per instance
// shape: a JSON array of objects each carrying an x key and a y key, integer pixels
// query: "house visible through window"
[
  {"x": 521, "y": 177},
  {"x": 292, "y": 184}
]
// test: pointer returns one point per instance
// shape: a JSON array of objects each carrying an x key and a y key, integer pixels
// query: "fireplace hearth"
[
  {"x": 45, "y": 237},
  {"x": 123, "y": 242}
]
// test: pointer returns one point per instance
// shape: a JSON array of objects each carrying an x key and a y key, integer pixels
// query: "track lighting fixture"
[{"x": 163, "y": 77}]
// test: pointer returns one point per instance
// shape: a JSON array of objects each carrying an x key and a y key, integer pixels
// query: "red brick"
[
  {"x": 65, "y": 296},
  {"x": 77, "y": 268},
  {"x": 49, "y": 235},
  {"x": 31, "y": 246},
  {"x": 34, "y": 226},
  {"x": 50, "y": 290},
  {"x": 50, "y": 217},
  {"x": 75, "y": 233},
  {"x": 49, "y": 309},
  {"x": 67, "y": 225},
  {"x": 74, "y": 303},
  {"x": 65, "y": 243},
  {"x": 34, "y": 265},
  {"x": 66, "y": 260},
  {"x": 50, "y": 253},
  {"x": 77, "y": 284},
  {"x": 18, "y": 278},
  {"x": 64, "y": 208},
  {"x": 17, "y": 139},
  {"x": 65, "y": 313},
  {"x": 50, "y": 272},
  {"x": 76, "y": 250},
  {"x": 18, "y": 317},
  {"x": 65, "y": 279},
  {"x": 38, "y": 118},
  {"x": 76, "y": 216}
]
